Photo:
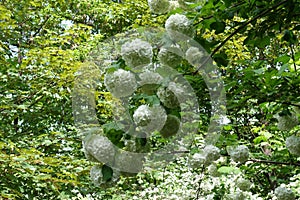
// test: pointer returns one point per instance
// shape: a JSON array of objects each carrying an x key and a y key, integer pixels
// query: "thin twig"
[
  {"x": 273, "y": 162},
  {"x": 238, "y": 30}
]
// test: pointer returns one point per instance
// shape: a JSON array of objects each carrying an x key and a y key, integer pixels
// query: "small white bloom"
[
  {"x": 142, "y": 115},
  {"x": 197, "y": 160},
  {"x": 239, "y": 153},
  {"x": 120, "y": 83},
  {"x": 168, "y": 57},
  {"x": 211, "y": 153},
  {"x": 213, "y": 170},
  {"x": 148, "y": 78},
  {"x": 287, "y": 122},
  {"x": 159, "y": 6},
  {"x": 178, "y": 23},
  {"x": 194, "y": 56},
  {"x": 243, "y": 184},
  {"x": 100, "y": 148},
  {"x": 137, "y": 53},
  {"x": 293, "y": 144},
  {"x": 282, "y": 193}
]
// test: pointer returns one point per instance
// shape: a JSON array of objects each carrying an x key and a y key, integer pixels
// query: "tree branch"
[
  {"x": 239, "y": 29},
  {"x": 273, "y": 162}
]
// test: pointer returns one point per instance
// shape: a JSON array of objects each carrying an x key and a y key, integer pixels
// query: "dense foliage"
[{"x": 254, "y": 44}]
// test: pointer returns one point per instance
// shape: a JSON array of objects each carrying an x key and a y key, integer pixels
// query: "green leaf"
[
  {"x": 219, "y": 27},
  {"x": 107, "y": 173},
  {"x": 229, "y": 170}
]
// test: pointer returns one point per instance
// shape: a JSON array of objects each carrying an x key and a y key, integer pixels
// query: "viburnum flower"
[
  {"x": 137, "y": 53},
  {"x": 239, "y": 153},
  {"x": 142, "y": 115},
  {"x": 243, "y": 184},
  {"x": 213, "y": 170},
  {"x": 283, "y": 193},
  {"x": 211, "y": 153},
  {"x": 167, "y": 97},
  {"x": 293, "y": 144},
  {"x": 168, "y": 57},
  {"x": 100, "y": 148},
  {"x": 197, "y": 160},
  {"x": 128, "y": 162},
  {"x": 120, "y": 83},
  {"x": 159, "y": 6},
  {"x": 178, "y": 23},
  {"x": 173, "y": 5},
  {"x": 148, "y": 77},
  {"x": 194, "y": 56},
  {"x": 287, "y": 122}
]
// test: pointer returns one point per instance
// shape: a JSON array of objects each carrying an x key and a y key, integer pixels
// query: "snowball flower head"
[
  {"x": 211, "y": 153},
  {"x": 137, "y": 53},
  {"x": 243, "y": 184},
  {"x": 293, "y": 144},
  {"x": 197, "y": 160},
  {"x": 129, "y": 162},
  {"x": 159, "y": 6},
  {"x": 120, "y": 83},
  {"x": 283, "y": 193},
  {"x": 194, "y": 56},
  {"x": 167, "y": 97},
  {"x": 178, "y": 23},
  {"x": 142, "y": 115},
  {"x": 168, "y": 57},
  {"x": 149, "y": 77},
  {"x": 239, "y": 153},
  {"x": 100, "y": 148},
  {"x": 287, "y": 122}
]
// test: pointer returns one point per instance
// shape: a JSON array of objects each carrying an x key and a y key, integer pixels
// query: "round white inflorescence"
[
  {"x": 142, "y": 115},
  {"x": 293, "y": 144},
  {"x": 287, "y": 122},
  {"x": 243, "y": 184},
  {"x": 239, "y": 153},
  {"x": 178, "y": 23},
  {"x": 211, "y": 153},
  {"x": 197, "y": 160},
  {"x": 167, "y": 97},
  {"x": 283, "y": 193},
  {"x": 194, "y": 56},
  {"x": 148, "y": 78},
  {"x": 100, "y": 148},
  {"x": 213, "y": 170},
  {"x": 120, "y": 83},
  {"x": 126, "y": 162},
  {"x": 159, "y": 6},
  {"x": 137, "y": 53},
  {"x": 169, "y": 58}
]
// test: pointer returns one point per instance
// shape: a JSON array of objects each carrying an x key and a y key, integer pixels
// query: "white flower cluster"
[
  {"x": 293, "y": 144},
  {"x": 99, "y": 148},
  {"x": 159, "y": 6},
  {"x": 243, "y": 184},
  {"x": 287, "y": 122},
  {"x": 148, "y": 77},
  {"x": 169, "y": 58},
  {"x": 149, "y": 119},
  {"x": 178, "y": 23},
  {"x": 213, "y": 170},
  {"x": 137, "y": 53},
  {"x": 142, "y": 115},
  {"x": 283, "y": 193},
  {"x": 120, "y": 83},
  {"x": 126, "y": 162},
  {"x": 239, "y": 153},
  {"x": 194, "y": 56},
  {"x": 211, "y": 153},
  {"x": 167, "y": 97}
]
